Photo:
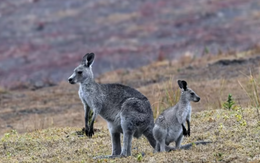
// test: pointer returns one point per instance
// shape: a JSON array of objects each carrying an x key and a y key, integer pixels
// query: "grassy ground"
[
  {"x": 34, "y": 124},
  {"x": 60, "y": 106},
  {"x": 235, "y": 139}
]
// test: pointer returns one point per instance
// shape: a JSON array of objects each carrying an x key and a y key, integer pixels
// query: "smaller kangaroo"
[{"x": 170, "y": 125}]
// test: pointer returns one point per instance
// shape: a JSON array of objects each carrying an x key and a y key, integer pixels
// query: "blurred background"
[
  {"x": 41, "y": 41},
  {"x": 145, "y": 44}
]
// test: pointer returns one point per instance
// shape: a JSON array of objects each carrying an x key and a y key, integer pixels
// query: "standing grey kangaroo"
[
  {"x": 126, "y": 110},
  {"x": 170, "y": 125}
]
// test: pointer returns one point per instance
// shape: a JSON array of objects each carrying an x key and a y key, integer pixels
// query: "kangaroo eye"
[
  {"x": 79, "y": 72},
  {"x": 192, "y": 94}
]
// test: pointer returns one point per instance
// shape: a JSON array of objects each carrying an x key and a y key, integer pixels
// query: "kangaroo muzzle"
[
  {"x": 197, "y": 99},
  {"x": 71, "y": 79}
]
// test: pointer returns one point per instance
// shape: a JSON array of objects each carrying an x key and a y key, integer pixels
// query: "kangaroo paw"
[
  {"x": 188, "y": 133},
  {"x": 85, "y": 130},
  {"x": 185, "y": 133},
  {"x": 90, "y": 132}
]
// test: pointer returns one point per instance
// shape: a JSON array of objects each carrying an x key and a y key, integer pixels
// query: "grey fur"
[
  {"x": 126, "y": 110},
  {"x": 170, "y": 125}
]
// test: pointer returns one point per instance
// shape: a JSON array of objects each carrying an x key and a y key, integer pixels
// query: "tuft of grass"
[
  {"x": 169, "y": 97},
  {"x": 139, "y": 157},
  {"x": 172, "y": 94},
  {"x": 252, "y": 92}
]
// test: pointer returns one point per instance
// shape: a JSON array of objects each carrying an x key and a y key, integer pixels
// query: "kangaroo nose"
[
  {"x": 198, "y": 98},
  {"x": 70, "y": 80}
]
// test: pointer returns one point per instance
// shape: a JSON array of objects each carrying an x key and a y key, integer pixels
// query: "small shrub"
[
  {"x": 206, "y": 50},
  {"x": 230, "y": 103}
]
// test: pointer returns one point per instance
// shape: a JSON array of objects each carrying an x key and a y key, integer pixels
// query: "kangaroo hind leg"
[{"x": 116, "y": 145}]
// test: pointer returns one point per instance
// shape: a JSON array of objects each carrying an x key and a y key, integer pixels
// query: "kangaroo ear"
[
  {"x": 182, "y": 84},
  {"x": 88, "y": 59}
]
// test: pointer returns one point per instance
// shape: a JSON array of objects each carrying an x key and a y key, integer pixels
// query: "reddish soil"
[{"x": 41, "y": 41}]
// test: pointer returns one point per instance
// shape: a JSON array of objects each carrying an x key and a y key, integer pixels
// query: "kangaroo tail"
[{"x": 188, "y": 146}]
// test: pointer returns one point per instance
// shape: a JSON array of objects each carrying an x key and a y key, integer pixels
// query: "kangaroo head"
[
  {"x": 187, "y": 93},
  {"x": 83, "y": 73}
]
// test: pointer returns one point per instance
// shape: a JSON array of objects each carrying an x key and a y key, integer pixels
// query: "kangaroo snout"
[
  {"x": 198, "y": 99},
  {"x": 71, "y": 81}
]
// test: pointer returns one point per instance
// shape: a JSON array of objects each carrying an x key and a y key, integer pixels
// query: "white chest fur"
[{"x": 85, "y": 96}]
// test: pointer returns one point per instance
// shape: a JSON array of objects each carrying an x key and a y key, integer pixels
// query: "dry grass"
[
  {"x": 235, "y": 133},
  {"x": 233, "y": 141},
  {"x": 60, "y": 106}
]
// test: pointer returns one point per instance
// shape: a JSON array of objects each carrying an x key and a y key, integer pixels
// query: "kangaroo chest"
[
  {"x": 183, "y": 112},
  {"x": 96, "y": 100},
  {"x": 174, "y": 128},
  {"x": 87, "y": 96}
]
